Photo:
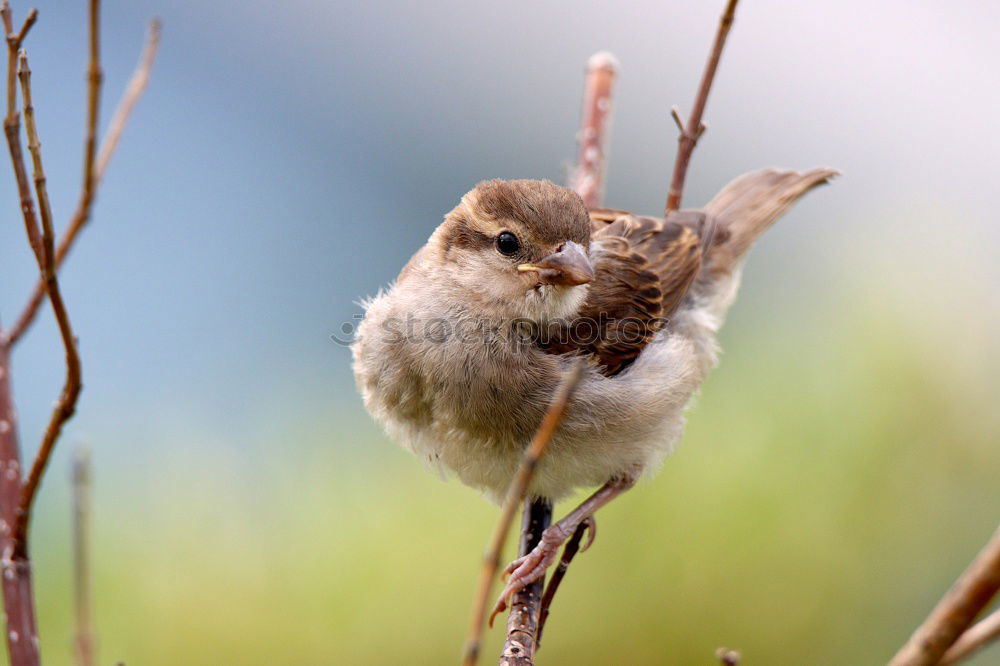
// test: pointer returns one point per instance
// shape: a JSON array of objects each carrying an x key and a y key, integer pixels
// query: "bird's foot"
[{"x": 527, "y": 569}]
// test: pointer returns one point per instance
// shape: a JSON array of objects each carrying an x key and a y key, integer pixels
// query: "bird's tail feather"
[
  {"x": 747, "y": 206},
  {"x": 737, "y": 216}
]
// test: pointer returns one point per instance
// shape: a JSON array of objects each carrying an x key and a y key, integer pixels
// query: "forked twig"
[
  {"x": 17, "y": 494},
  {"x": 692, "y": 132},
  {"x": 515, "y": 495},
  {"x": 136, "y": 86},
  {"x": 974, "y": 639},
  {"x": 66, "y": 404},
  {"x": 956, "y": 610},
  {"x": 12, "y": 129}
]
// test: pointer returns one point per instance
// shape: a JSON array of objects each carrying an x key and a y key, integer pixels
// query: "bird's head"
[{"x": 517, "y": 249}]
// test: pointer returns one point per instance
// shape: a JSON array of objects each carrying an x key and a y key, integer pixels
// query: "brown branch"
[
  {"x": 977, "y": 637},
  {"x": 66, "y": 404},
  {"x": 956, "y": 610},
  {"x": 692, "y": 132},
  {"x": 136, "y": 86},
  {"x": 14, "y": 42},
  {"x": 94, "y": 78},
  {"x": 515, "y": 494},
  {"x": 570, "y": 550},
  {"x": 18, "y": 599},
  {"x": 83, "y": 597},
  {"x": 587, "y": 178},
  {"x": 524, "y": 620},
  {"x": 18, "y": 596},
  {"x": 12, "y": 130}
]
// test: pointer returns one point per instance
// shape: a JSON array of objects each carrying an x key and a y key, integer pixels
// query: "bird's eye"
[{"x": 507, "y": 244}]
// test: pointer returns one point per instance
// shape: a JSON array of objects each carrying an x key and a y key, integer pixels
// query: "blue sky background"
[{"x": 289, "y": 157}]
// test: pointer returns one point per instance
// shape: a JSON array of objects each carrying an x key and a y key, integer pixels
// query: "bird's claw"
[{"x": 527, "y": 569}]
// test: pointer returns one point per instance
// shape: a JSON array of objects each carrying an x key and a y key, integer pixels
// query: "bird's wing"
[{"x": 643, "y": 268}]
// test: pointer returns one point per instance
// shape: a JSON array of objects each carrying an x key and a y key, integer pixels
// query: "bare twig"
[
  {"x": 570, "y": 550},
  {"x": 515, "y": 494},
  {"x": 588, "y": 176},
  {"x": 83, "y": 597},
  {"x": 956, "y": 610},
  {"x": 977, "y": 637},
  {"x": 12, "y": 130},
  {"x": 690, "y": 134},
  {"x": 136, "y": 87},
  {"x": 523, "y": 621},
  {"x": 94, "y": 77},
  {"x": 66, "y": 404}
]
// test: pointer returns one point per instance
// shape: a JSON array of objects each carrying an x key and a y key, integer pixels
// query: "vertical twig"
[
  {"x": 12, "y": 130},
  {"x": 515, "y": 494},
  {"x": 137, "y": 85},
  {"x": 83, "y": 591},
  {"x": 18, "y": 595},
  {"x": 956, "y": 610},
  {"x": 695, "y": 127},
  {"x": 523, "y": 624},
  {"x": 18, "y": 599},
  {"x": 66, "y": 404},
  {"x": 587, "y": 178}
]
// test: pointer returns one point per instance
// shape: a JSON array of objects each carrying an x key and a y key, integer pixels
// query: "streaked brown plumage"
[{"x": 642, "y": 273}]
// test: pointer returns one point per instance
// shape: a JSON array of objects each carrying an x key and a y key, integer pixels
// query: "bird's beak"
[{"x": 567, "y": 266}]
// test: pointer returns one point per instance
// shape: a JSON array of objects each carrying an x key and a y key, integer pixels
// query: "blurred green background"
[{"x": 841, "y": 465}]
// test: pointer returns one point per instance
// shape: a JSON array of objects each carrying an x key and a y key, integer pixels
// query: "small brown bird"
[{"x": 459, "y": 359}]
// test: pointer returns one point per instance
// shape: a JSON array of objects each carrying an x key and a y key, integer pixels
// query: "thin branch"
[
  {"x": 35, "y": 150},
  {"x": 523, "y": 621},
  {"x": 14, "y": 42},
  {"x": 515, "y": 494},
  {"x": 136, "y": 87},
  {"x": 570, "y": 550},
  {"x": 83, "y": 597},
  {"x": 694, "y": 129},
  {"x": 588, "y": 176},
  {"x": 979, "y": 636},
  {"x": 956, "y": 610},
  {"x": 94, "y": 77},
  {"x": 12, "y": 130},
  {"x": 66, "y": 404}
]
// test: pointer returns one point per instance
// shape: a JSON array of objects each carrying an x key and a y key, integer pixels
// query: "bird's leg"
[
  {"x": 570, "y": 550},
  {"x": 529, "y": 568}
]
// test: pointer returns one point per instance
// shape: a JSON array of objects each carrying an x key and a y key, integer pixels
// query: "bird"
[{"x": 460, "y": 356}]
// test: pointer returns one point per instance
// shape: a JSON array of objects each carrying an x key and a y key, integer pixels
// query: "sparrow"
[{"x": 459, "y": 358}]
